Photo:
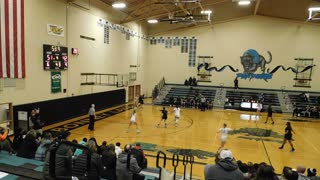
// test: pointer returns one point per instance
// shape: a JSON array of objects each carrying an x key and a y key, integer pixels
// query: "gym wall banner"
[{"x": 55, "y": 82}]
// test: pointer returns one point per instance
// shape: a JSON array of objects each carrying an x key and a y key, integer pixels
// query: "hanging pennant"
[
  {"x": 192, "y": 52},
  {"x": 168, "y": 43},
  {"x": 176, "y": 41}
]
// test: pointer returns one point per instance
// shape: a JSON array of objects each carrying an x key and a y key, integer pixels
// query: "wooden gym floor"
[{"x": 251, "y": 140}]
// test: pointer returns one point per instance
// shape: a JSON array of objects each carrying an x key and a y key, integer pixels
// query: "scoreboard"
[{"x": 55, "y": 57}]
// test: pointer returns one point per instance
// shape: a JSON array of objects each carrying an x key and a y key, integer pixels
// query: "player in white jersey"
[
  {"x": 133, "y": 120},
  {"x": 176, "y": 111},
  {"x": 259, "y": 108},
  {"x": 224, "y": 134}
]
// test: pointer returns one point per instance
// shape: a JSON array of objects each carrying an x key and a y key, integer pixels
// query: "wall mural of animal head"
[{"x": 251, "y": 60}]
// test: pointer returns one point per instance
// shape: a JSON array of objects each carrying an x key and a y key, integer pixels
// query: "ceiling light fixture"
[
  {"x": 206, "y": 12},
  {"x": 244, "y": 3},
  {"x": 119, "y": 5},
  {"x": 313, "y": 10},
  {"x": 152, "y": 21}
]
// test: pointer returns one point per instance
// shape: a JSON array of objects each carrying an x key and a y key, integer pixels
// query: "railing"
[
  {"x": 102, "y": 79},
  {"x": 175, "y": 163}
]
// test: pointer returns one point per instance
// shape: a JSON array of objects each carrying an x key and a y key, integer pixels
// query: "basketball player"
[
  {"x": 133, "y": 120},
  {"x": 140, "y": 101},
  {"x": 176, "y": 111},
  {"x": 224, "y": 134},
  {"x": 288, "y": 136},
  {"x": 259, "y": 107},
  {"x": 269, "y": 114},
  {"x": 164, "y": 117}
]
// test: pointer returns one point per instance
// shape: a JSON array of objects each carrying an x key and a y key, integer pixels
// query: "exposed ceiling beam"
[
  {"x": 143, "y": 5},
  {"x": 183, "y": 9},
  {"x": 176, "y": 11},
  {"x": 256, "y": 8}
]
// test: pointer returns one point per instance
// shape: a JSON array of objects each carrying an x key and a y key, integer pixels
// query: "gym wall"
[{"x": 227, "y": 41}]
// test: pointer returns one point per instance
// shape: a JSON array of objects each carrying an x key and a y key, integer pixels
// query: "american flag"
[{"x": 12, "y": 52}]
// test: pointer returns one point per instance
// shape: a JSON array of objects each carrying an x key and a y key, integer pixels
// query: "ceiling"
[{"x": 223, "y": 10}]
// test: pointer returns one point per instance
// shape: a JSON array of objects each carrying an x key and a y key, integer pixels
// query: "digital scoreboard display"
[{"x": 55, "y": 57}]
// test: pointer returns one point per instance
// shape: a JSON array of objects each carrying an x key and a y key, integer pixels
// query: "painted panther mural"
[{"x": 251, "y": 61}]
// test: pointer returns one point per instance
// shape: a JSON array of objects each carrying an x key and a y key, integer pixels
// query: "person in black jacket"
[
  {"x": 29, "y": 146},
  {"x": 109, "y": 159}
]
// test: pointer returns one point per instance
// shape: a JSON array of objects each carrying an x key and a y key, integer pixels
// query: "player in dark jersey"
[
  {"x": 164, "y": 117},
  {"x": 269, "y": 114},
  {"x": 288, "y": 136}
]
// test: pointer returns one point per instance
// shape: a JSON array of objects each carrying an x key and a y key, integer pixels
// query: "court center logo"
[{"x": 252, "y": 62}]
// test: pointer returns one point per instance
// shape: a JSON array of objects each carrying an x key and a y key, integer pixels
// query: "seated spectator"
[
  {"x": 29, "y": 145},
  {"x": 83, "y": 142},
  {"x": 138, "y": 153},
  {"x": 289, "y": 174},
  {"x": 44, "y": 145},
  {"x": 266, "y": 172},
  {"x": 109, "y": 159},
  {"x": 18, "y": 138},
  {"x": 102, "y": 147},
  {"x": 225, "y": 168},
  {"x": 80, "y": 163},
  {"x": 4, "y": 141},
  {"x": 124, "y": 169},
  {"x": 118, "y": 149},
  {"x": 62, "y": 159},
  {"x": 301, "y": 170},
  {"x": 312, "y": 174}
]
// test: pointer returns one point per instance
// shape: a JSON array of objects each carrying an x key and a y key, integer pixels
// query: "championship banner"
[{"x": 55, "y": 82}]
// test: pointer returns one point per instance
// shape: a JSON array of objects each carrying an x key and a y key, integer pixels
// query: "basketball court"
[{"x": 250, "y": 141}]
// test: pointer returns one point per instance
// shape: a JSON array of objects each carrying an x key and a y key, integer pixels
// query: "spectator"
[
  {"x": 266, "y": 172},
  {"x": 102, "y": 147},
  {"x": 301, "y": 170},
  {"x": 186, "y": 82},
  {"x": 124, "y": 169},
  {"x": 118, "y": 149},
  {"x": 62, "y": 160},
  {"x": 29, "y": 146},
  {"x": 190, "y": 81},
  {"x": 236, "y": 83},
  {"x": 224, "y": 168},
  {"x": 138, "y": 153},
  {"x": 44, "y": 145},
  {"x": 4, "y": 141},
  {"x": 109, "y": 159},
  {"x": 95, "y": 164},
  {"x": 18, "y": 138},
  {"x": 79, "y": 151},
  {"x": 311, "y": 173}
]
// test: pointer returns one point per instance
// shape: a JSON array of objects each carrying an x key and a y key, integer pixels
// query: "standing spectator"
[
  {"x": 103, "y": 147},
  {"x": 203, "y": 102},
  {"x": 190, "y": 81},
  {"x": 118, "y": 149},
  {"x": 125, "y": 169},
  {"x": 236, "y": 83},
  {"x": 225, "y": 168},
  {"x": 109, "y": 159},
  {"x": 92, "y": 115}
]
